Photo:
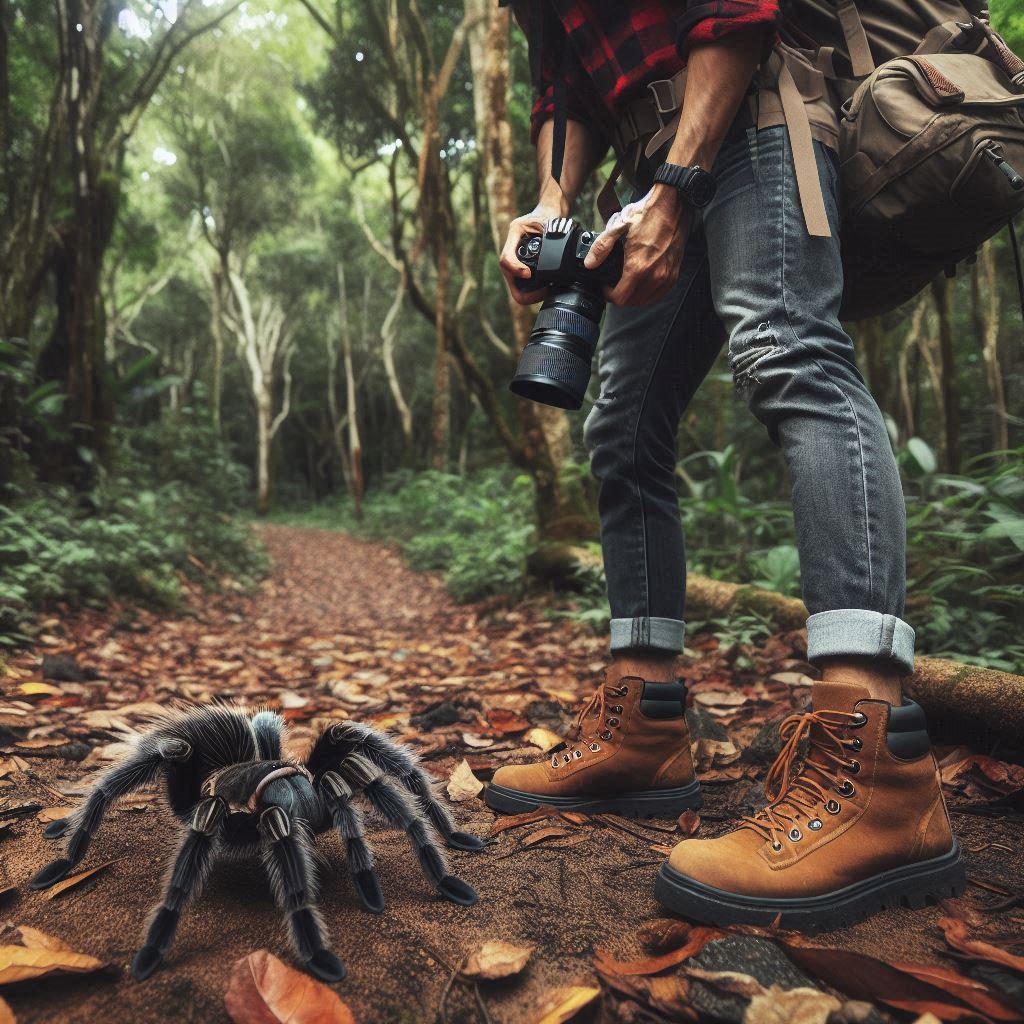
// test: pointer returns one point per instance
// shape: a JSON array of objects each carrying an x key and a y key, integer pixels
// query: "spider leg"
[
  {"x": 191, "y": 867},
  {"x": 348, "y": 820},
  {"x": 138, "y": 769},
  {"x": 268, "y": 728},
  {"x": 288, "y": 859},
  {"x": 399, "y": 761},
  {"x": 392, "y": 801}
]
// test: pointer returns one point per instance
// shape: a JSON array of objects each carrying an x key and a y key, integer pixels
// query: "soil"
[{"x": 343, "y": 625}]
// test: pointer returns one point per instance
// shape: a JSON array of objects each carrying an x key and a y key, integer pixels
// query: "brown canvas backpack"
[{"x": 931, "y": 137}]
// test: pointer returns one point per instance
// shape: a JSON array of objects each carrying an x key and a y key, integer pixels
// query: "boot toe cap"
[
  {"x": 730, "y": 862},
  {"x": 528, "y": 778}
]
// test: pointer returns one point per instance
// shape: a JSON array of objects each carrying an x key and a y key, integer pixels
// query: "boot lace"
[
  {"x": 792, "y": 797},
  {"x": 594, "y": 722}
]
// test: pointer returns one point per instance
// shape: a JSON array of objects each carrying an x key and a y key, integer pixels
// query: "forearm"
[
  {"x": 718, "y": 76},
  {"x": 582, "y": 154}
]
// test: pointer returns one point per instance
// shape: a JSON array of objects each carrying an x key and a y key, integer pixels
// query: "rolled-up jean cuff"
[
  {"x": 848, "y": 632},
  {"x": 645, "y": 633}
]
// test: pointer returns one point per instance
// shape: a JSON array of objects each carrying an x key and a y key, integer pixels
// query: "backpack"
[{"x": 931, "y": 137}]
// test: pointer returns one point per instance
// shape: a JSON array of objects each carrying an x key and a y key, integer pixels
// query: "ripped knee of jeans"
[{"x": 748, "y": 355}]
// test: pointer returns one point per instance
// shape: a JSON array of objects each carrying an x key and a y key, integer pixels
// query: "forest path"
[{"x": 343, "y": 628}]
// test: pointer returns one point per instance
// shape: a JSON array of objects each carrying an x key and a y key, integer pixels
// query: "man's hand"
[
  {"x": 654, "y": 232},
  {"x": 512, "y": 266}
]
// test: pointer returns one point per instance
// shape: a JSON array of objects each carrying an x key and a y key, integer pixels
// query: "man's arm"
[
  {"x": 656, "y": 227},
  {"x": 555, "y": 198}
]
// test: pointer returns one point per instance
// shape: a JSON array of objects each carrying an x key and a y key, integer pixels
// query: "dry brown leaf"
[
  {"x": 543, "y": 738},
  {"x": 694, "y": 939},
  {"x": 478, "y": 742},
  {"x": 957, "y": 936},
  {"x": 717, "y": 753},
  {"x": 542, "y": 834},
  {"x": 688, "y": 823},
  {"x": 32, "y": 938},
  {"x": 263, "y": 990},
  {"x": 567, "y": 1004},
  {"x": 6, "y": 1013},
  {"x": 291, "y": 701},
  {"x": 462, "y": 783},
  {"x": 70, "y": 883},
  {"x": 495, "y": 959},
  {"x": 714, "y": 699},
  {"x": 21, "y": 963},
  {"x": 38, "y": 690},
  {"x": 48, "y": 814},
  {"x": 792, "y": 678}
]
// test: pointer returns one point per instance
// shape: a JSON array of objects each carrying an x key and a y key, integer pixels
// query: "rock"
[
  {"x": 437, "y": 716},
  {"x": 62, "y": 668},
  {"x": 703, "y": 726}
]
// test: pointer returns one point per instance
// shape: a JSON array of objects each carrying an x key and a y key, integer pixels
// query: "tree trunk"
[
  {"x": 441, "y": 414},
  {"x": 942, "y": 288},
  {"x": 355, "y": 450},
  {"x": 388, "y": 332},
  {"x": 985, "y": 306},
  {"x": 263, "y": 418},
  {"x": 562, "y": 511}
]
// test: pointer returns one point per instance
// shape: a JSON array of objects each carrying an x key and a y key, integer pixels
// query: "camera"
[{"x": 554, "y": 368}]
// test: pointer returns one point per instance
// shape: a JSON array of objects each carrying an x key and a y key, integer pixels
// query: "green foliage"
[
  {"x": 476, "y": 530},
  {"x": 161, "y": 515}
]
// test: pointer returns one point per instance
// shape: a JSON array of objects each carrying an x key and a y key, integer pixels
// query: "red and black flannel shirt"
[{"x": 606, "y": 51}]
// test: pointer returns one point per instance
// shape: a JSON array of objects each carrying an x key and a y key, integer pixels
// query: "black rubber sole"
[
  {"x": 651, "y": 803},
  {"x": 915, "y": 885}
]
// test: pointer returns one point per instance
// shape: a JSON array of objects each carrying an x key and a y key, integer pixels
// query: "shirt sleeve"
[
  {"x": 708, "y": 20},
  {"x": 558, "y": 63}
]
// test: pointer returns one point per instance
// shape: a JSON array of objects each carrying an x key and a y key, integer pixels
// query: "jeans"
[{"x": 752, "y": 274}]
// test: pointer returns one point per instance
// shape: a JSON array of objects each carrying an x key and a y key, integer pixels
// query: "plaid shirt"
[{"x": 606, "y": 51}]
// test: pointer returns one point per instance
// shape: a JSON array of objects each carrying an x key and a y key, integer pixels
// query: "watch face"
[{"x": 702, "y": 189}]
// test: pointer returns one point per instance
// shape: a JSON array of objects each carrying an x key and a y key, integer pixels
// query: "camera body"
[{"x": 555, "y": 365}]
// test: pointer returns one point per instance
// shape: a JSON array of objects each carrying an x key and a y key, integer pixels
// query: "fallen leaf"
[
  {"x": 38, "y": 690},
  {"x": 663, "y": 933},
  {"x": 543, "y": 738},
  {"x": 793, "y": 1006},
  {"x": 70, "y": 883},
  {"x": 568, "y": 1003},
  {"x": 504, "y": 721},
  {"x": 495, "y": 959},
  {"x": 263, "y": 990},
  {"x": 290, "y": 700},
  {"x": 35, "y": 939},
  {"x": 958, "y": 937},
  {"x": 462, "y": 783},
  {"x": 526, "y": 818},
  {"x": 476, "y": 741},
  {"x": 695, "y": 938},
  {"x": 689, "y": 822},
  {"x": 792, "y": 678},
  {"x": 544, "y": 833},
  {"x": 718, "y": 753},
  {"x": 48, "y": 814},
  {"x": 21, "y": 963},
  {"x": 713, "y": 699}
]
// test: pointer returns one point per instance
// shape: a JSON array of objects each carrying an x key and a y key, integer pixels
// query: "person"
[{"x": 723, "y": 240}]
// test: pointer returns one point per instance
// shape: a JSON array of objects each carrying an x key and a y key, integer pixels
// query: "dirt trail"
[{"x": 344, "y": 629}]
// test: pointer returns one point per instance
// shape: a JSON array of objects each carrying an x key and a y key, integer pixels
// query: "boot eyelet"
[
  {"x": 595, "y": 747},
  {"x": 795, "y": 835},
  {"x": 617, "y": 709},
  {"x": 846, "y": 789},
  {"x": 859, "y": 720},
  {"x": 853, "y": 767},
  {"x": 776, "y": 846},
  {"x": 613, "y": 722},
  {"x": 566, "y": 758},
  {"x": 833, "y": 807},
  {"x": 625, "y": 691},
  {"x": 855, "y": 744},
  {"x": 606, "y": 736},
  {"x": 554, "y": 761},
  {"x": 814, "y": 824},
  {"x": 577, "y": 754}
]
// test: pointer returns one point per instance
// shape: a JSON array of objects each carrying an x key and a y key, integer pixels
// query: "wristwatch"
[{"x": 696, "y": 186}]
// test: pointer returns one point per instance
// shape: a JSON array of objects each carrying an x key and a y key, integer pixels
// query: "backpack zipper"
[{"x": 995, "y": 153}]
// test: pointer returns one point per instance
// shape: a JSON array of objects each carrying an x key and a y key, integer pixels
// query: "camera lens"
[{"x": 554, "y": 368}]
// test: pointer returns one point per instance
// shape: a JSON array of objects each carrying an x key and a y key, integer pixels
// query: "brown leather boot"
[
  {"x": 629, "y": 754},
  {"x": 860, "y": 827}
]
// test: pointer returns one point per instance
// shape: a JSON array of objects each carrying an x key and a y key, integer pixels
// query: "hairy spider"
[{"x": 227, "y": 779}]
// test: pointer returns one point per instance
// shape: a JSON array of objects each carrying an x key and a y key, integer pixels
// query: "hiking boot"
[
  {"x": 629, "y": 754},
  {"x": 861, "y": 826}
]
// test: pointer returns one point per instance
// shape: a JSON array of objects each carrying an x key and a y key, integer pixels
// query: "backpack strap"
[
  {"x": 856, "y": 38},
  {"x": 801, "y": 143}
]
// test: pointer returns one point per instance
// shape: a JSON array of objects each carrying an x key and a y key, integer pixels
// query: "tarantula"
[{"x": 227, "y": 779}]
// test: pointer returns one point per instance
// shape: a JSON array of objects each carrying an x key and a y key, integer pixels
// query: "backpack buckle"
[{"x": 664, "y": 96}]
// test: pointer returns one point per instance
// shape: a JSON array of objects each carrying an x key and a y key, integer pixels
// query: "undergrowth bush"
[{"x": 162, "y": 512}]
